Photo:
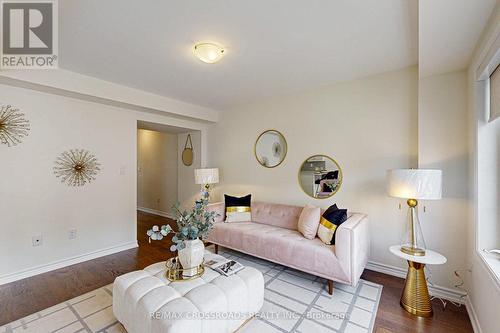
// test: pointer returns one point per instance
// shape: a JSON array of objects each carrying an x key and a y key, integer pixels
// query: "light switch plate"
[{"x": 72, "y": 234}]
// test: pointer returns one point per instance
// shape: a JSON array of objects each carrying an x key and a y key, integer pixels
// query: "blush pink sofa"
[{"x": 272, "y": 235}]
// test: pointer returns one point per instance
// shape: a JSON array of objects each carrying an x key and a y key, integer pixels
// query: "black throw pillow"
[
  {"x": 331, "y": 219},
  {"x": 331, "y": 209},
  {"x": 238, "y": 202},
  {"x": 238, "y": 209}
]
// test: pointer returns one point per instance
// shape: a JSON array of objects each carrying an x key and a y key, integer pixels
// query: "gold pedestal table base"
[{"x": 415, "y": 298}]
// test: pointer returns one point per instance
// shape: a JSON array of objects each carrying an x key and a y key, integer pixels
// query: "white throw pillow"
[
  {"x": 309, "y": 221},
  {"x": 238, "y": 217},
  {"x": 326, "y": 231}
]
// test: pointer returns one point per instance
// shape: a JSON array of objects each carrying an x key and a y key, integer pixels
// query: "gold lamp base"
[
  {"x": 415, "y": 298},
  {"x": 413, "y": 251}
]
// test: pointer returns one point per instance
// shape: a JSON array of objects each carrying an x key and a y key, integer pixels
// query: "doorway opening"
[{"x": 163, "y": 180}]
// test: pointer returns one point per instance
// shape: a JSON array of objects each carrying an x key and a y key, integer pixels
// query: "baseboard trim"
[
  {"x": 8, "y": 278},
  {"x": 386, "y": 269},
  {"x": 156, "y": 212},
  {"x": 434, "y": 290},
  {"x": 472, "y": 315}
]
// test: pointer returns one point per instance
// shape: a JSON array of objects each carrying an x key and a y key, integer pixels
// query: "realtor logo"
[{"x": 29, "y": 34}]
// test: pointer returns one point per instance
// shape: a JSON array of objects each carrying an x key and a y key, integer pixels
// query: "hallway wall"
[{"x": 157, "y": 175}]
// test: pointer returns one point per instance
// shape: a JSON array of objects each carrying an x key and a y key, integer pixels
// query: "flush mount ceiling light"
[{"x": 208, "y": 52}]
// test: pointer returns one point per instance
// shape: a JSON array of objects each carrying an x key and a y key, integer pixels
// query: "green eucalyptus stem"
[{"x": 191, "y": 225}]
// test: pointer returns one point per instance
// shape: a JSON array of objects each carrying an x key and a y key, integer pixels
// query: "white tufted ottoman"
[{"x": 145, "y": 301}]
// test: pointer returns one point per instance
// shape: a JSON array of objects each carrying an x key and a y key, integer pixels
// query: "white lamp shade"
[
  {"x": 424, "y": 184},
  {"x": 206, "y": 176}
]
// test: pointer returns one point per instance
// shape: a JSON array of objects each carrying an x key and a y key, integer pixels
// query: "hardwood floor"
[
  {"x": 24, "y": 297},
  {"x": 391, "y": 317}
]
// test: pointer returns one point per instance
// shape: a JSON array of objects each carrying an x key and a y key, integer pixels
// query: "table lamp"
[
  {"x": 206, "y": 177},
  {"x": 413, "y": 185}
]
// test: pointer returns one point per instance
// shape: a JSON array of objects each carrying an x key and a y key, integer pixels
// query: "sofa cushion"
[
  {"x": 309, "y": 221},
  {"x": 280, "y": 245},
  {"x": 284, "y": 216}
]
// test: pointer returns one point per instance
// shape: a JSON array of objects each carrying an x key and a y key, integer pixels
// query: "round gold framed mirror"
[
  {"x": 320, "y": 176},
  {"x": 270, "y": 148}
]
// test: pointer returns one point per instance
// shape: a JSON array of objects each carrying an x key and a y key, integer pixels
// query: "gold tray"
[{"x": 174, "y": 271}]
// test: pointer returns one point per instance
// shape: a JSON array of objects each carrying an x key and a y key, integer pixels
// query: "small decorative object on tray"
[
  {"x": 173, "y": 263},
  {"x": 225, "y": 266},
  {"x": 175, "y": 272}
]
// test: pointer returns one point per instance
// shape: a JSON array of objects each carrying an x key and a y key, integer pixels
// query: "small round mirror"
[
  {"x": 320, "y": 176},
  {"x": 270, "y": 148}
]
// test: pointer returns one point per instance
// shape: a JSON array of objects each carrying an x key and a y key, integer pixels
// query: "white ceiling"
[
  {"x": 274, "y": 47},
  {"x": 448, "y": 33}
]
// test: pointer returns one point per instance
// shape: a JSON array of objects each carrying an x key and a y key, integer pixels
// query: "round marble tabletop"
[{"x": 430, "y": 258}]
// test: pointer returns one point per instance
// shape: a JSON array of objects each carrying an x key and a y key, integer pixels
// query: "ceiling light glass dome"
[{"x": 208, "y": 52}]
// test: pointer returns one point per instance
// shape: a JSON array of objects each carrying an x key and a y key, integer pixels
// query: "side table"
[{"x": 415, "y": 298}]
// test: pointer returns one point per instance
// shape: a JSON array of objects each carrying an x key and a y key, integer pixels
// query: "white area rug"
[{"x": 294, "y": 302}]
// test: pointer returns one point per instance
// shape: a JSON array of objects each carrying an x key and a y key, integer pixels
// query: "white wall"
[
  {"x": 157, "y": 170},
  {"x": 33, "y": 201},
  {"x": 484, "y": 290},
  {"x": 443, "y": 144},
  {"x": 188, "y": 190},
  {"x": 368, "y": 126}
]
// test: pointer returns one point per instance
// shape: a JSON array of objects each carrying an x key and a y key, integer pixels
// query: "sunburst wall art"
[
  {"x": 13, "y": 125},
  {"x": 76, "y": 167}
]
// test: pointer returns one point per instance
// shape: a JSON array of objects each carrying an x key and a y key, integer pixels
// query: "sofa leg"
[
  {"x": 216, "y": 248},
  {"x": 330, "y": 287}
]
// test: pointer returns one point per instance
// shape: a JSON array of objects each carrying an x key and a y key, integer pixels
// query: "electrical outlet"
[
  {"x": 37, "y": 240},
  {"x": 72, "y": 234}
]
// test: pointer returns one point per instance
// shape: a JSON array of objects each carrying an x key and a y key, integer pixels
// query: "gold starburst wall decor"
[
  {"x": 13, "y": 125},
  {"x": 76, "y": 167}
]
